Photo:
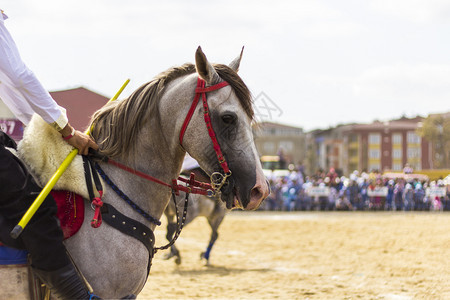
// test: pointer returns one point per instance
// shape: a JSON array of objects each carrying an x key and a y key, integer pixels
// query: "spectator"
[
  {"x": 408, "y": 194},
  {"x": 390, "y": 195},
  {"x": 419, "y": 196}
]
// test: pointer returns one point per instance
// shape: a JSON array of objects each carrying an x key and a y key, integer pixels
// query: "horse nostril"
[{"x": 256, "y": 193}]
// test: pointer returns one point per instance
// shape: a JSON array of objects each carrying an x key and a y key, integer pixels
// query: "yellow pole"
[{"x": 51, "y": 183}]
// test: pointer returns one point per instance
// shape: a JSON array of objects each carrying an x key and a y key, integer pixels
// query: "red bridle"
[{"x": 217, "y": 179}]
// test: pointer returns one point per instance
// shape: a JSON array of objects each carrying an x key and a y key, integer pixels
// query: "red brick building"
[
  {"x": 378, "y": 146},
  {"x": 80, "y": 104},
  {"x": 389, "y": 145}
]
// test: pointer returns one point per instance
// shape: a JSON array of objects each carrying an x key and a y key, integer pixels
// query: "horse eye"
[{"x": 229, "y": 119}]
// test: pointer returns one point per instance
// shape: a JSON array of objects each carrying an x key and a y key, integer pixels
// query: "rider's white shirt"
[{"x": 20, "y": 90}]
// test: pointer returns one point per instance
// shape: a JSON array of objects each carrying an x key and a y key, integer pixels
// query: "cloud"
[
  {"x": 331, "y": 29},
  {"x": 414, "y": 88},
  {"x": 414, "y": 10}
]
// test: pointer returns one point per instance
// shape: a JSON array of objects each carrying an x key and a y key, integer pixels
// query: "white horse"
[{"x": 150, "y": 133}]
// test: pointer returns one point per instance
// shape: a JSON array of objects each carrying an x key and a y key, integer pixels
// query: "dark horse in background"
[{"x": 211, "y": 208}]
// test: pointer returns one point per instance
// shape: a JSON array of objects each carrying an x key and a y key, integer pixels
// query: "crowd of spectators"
[{"x": 327, "y": 191}]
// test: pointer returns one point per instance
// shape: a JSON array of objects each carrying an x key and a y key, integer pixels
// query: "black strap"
[
  {"x": 89, "y": 173},
  {"x": 180, "y": 223},
  {"x": 116, "y": 219},
  {"x": 130, "y": 227},
  {"x": 88, "y": 176}
]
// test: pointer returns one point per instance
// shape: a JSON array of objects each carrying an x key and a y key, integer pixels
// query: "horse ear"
[
  {"x": 204, "y": 69},
  {"x": 237, "y": 61}
]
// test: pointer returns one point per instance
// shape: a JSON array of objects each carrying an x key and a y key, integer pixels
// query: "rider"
[{"x": 24, "y": 95}]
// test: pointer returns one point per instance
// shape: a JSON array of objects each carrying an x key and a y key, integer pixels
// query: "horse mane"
[{"x": 119, "y": 122}]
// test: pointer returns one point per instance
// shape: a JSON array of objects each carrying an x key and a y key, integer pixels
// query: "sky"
[{"x": 311, "y": 64}]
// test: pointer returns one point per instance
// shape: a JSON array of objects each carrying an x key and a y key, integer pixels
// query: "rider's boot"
[{"x": 64, "y": 283}]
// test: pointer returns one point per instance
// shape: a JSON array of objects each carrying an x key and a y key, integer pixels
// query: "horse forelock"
[
  {"x": 117, "y": 125},
  {"x": 239, "y": 87}
]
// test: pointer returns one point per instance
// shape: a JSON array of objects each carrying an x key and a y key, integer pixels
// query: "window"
[
  {"x": 413, "y": 138},
  {"x": 397, "y": 153},
  {"x": 396, "y": 167},
  {"x": 374, "y": 153},
  {"x": 397, "y": 138},
  {"x": 353, "y": 138},
  {"x": 414, "y": 152},
  {"x": 374, "y": 138}
]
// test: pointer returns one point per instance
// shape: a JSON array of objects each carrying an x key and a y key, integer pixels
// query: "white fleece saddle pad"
[{"x": 43, "y": 150}]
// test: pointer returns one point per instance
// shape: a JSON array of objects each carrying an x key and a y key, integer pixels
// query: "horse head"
[{"x": 231, "y": 114}]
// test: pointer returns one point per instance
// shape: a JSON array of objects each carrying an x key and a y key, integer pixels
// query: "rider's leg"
[{"x": 42, "y": 237}]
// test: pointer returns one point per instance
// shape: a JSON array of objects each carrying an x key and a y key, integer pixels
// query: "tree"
[{"x": 436, "y": 129}]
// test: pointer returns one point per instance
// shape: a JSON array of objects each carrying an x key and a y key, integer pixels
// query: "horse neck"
[
  {"x": 152, "y": 156},
  {"x": 157, "y": 151}
]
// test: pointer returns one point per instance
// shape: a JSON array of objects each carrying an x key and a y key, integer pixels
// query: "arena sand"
[{"x": 328, "y": 255}]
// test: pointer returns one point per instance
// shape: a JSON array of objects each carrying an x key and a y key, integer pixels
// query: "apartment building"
[{"x": 378, "y": 146}]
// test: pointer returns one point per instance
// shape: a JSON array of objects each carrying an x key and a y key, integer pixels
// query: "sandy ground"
[{"x": 262, "y": 255}]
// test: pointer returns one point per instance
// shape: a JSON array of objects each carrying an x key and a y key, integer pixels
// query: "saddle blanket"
[{"x": 71, "y": 216}]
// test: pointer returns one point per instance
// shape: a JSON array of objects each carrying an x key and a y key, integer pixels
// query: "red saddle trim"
[{"x": 70, "y": 211}]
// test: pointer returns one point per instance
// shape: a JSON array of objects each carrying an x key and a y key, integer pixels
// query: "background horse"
[
  {"x": 143, "y": 132},
  {"x": 199, "y": 206}
]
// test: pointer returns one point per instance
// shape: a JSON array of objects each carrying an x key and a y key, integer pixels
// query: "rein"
[{"x": 193, "y": 187}]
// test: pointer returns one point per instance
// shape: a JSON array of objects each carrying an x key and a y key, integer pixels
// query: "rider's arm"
[{"x": 24, "y": 94}]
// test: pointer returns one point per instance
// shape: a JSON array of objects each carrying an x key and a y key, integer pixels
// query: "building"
[
  {"x": 326, "y": 149},
  {"x": 80, "y": 104},
  {"x": 378, "y": 146},
  {"x": 276, "y": 139},
  {"x": 9, "y": 124}
]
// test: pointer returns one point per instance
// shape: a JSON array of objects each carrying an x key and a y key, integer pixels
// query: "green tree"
[{"x": 436, "y": 129}]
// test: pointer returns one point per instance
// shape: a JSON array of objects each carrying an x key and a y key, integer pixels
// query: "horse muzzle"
[{"x": 232, "y": 197}]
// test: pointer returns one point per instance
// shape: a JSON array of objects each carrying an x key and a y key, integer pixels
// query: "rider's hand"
[{"x": 78, "y": 140}]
